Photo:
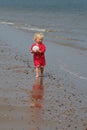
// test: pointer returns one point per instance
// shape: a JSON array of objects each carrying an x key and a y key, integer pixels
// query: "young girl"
[{"x": 38, "y": 55}]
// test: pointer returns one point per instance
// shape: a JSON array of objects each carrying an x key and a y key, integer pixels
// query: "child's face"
[{"x": 39, "y": 40}]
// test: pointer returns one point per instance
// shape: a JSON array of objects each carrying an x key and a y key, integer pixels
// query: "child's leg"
[
  {"x": 37, "y": 71},
  {"x": 41, "y": 71}
]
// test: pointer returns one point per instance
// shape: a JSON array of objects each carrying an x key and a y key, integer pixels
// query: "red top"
[{"x": 39, "y": 57}]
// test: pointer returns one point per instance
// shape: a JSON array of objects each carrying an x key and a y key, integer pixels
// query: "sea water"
[{"x": 64, "y": 24}]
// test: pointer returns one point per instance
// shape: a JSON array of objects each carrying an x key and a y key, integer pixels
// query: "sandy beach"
[{"x": 24, "y": 107}]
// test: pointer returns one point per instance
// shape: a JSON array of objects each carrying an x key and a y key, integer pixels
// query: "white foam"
[{"x": 7, "y": 23}]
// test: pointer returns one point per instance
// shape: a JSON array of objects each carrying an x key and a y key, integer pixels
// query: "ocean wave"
[
  {"x": 25, "y": 26},
  {"x": 22, "y": 26},
  {"x": 7, "y": 23},
  {"x": 73, "y": 73},
  {"x": 58, "y": 39},
  {"x": 32, "y": 29}
]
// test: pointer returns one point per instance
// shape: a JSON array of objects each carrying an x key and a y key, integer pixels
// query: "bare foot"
[
  {"x": 37, "y": 105},
  {"x": 32, "y": 105},
  {"x": 36, "y": 76}
]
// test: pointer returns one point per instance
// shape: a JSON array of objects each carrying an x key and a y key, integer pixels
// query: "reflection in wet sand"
[
  {"x": 36, "y": 104},
  {"x": 37, "y": 93}
]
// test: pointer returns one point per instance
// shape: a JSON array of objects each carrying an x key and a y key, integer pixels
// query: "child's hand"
[
  {"x": 32, "y": 51},
  {"x": 35, "y": 51},
  {"x": 39, "y": 51}
]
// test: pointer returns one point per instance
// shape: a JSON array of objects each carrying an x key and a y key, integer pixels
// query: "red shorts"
[{"x": 39, "y": 62}]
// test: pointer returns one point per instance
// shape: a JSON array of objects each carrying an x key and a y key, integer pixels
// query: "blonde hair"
[{"x": 38, "y": 35}]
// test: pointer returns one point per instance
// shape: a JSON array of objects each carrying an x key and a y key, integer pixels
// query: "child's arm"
[{"x": 42, "y": 49}]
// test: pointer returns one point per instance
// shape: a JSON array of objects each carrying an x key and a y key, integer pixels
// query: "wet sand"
[{"x": 50, "y": 105}]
